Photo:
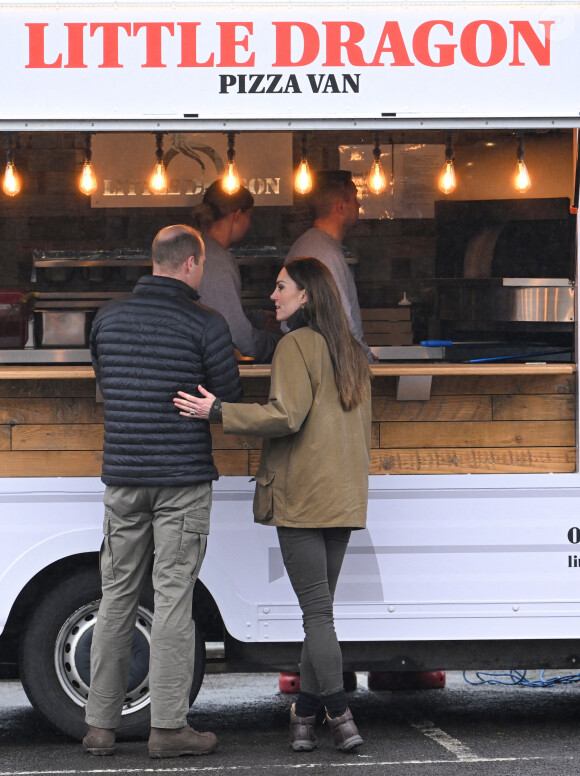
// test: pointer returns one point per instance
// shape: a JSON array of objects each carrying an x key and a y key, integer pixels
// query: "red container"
[
  {"x": 406, "y": 680},
  {"x": 288, "y": 681},
  {"x": 14, "y": 309}
]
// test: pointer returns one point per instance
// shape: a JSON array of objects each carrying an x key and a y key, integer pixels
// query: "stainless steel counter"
[
  {"x": 407, "y": 353},
  {"x": 45, "y": 356}
]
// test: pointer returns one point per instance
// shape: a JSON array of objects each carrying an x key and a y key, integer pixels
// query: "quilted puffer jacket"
[{"x": 144, "y": 349}]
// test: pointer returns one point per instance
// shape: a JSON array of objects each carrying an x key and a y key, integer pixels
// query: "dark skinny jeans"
[{"x": 313, "y": 559}]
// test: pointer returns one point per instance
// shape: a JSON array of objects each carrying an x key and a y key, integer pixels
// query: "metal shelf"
[{"x": 93, "y": 263}]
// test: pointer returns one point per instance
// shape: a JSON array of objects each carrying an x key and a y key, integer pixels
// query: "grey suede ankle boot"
[
  {"x": 344, "y": 731},
  {"x": 302, "y": 735}
]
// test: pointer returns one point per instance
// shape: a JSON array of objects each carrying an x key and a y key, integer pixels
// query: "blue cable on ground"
[{"x": 513, "y": 677}]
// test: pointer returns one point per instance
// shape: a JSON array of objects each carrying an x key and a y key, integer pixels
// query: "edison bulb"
[
  {"x": 303, "y": 179},
  {"x": 11, "y": 184},
  {"x": 447, "y": 182},
  {"x": 158, "y": 180},
  {"x": 377, "y": 178},
  {"x": 88, "y": 182},
  {"x": 231, "y": 179},
  {"x": 522, "y": 180}
]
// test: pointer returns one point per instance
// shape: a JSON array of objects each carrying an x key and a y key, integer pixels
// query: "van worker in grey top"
[
  {"x": 336, "y": 208},
  {"x": 158, "y": 473},
  {"x": 224, "y": 219}
]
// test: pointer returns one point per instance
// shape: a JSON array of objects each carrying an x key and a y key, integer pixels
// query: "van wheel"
[{"x": 54, "y": 659}]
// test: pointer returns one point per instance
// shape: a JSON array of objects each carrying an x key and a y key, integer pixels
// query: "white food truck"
[{"x": 454, "y": 571}]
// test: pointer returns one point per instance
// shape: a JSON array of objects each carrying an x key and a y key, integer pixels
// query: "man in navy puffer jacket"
[{"x": 158, "y": 469}]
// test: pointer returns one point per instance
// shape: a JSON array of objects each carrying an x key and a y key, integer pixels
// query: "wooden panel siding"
[
  {"x": 57, "y": 463},
  {"x": 81, "y": 436},
  {"x": 480, "y": 423},
  {"x": 55, "y": 410},
  {"x": 232, "y": 462},
  {"x": 223, "y": 441},
  {"x": 474, "y": 461},
  {"x": 438, "y": 408},
  {"x": 500, "y": 384},
  {"x": 539, "y": 407},
  {"x": 513, "y": 434},
  {"x": 46, "y": 388},
  {"x": 4, "y": 437}
]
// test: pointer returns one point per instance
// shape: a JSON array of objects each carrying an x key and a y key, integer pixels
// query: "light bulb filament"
[
  {"x": 231, "y": 179},
  {"x": 158, "y": 180},
  {"x": 377, "y": 178},
  {"x": 522, "y": 178},
  {"x": 303, "y": 180},
  {"x": 11, "y": 184},
  {"x": 88, "y": 182},
  {"x": 447, "y": 182}
]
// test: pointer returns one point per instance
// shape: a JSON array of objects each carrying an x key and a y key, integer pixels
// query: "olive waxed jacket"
[{"x": 315, "y": 457}]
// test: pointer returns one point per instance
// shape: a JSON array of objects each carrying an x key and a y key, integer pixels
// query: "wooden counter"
[
  {"x": 480, "y": 418},
  {"x": 58, "y": 372}
]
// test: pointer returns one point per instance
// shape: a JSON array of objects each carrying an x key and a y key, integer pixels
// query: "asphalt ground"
[{"x": 459, "y": 730}]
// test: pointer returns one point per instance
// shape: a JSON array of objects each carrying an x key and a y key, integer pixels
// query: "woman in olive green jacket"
[{"x": 312, "y": 483}]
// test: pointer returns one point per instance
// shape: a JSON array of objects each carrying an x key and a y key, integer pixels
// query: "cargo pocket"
[
  {"x": 106, "y": 552},
  {"x": 264, "y": 496},
  {"x": 193, "y": 544}
]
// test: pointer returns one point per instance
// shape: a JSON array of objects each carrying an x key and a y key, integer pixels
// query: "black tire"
[{"x": 54, "y": 657}]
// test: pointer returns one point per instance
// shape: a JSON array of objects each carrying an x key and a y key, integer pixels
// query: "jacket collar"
[
  {"x": 155, "y": 284},
  {"x": 297, "y": 320}
]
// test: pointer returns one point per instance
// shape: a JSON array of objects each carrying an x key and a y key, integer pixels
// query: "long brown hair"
[{"x": 325, "y": 314}]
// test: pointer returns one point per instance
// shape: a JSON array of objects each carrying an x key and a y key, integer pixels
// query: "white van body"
[{"x": 478, "y": 557}]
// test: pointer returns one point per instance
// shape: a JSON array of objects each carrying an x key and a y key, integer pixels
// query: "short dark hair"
[
  {"x": 327, "y": 187},
  {"x": 174, "y": 244}
]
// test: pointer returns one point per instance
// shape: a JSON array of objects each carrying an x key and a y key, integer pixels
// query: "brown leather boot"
[
  {"x": 165, "y": 742},
  {"x": 344, "y": 731},
  {"x": 302, "y": 735},
  {"x": 99, "y": 741}
]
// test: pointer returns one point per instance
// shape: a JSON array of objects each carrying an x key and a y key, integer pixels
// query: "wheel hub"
[{"x": 72, "y": 657}]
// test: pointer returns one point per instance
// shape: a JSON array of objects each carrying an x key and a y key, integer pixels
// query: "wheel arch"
[
  {"x": 31, "y": 594},
  {"x": 204, "y": 606},
  {"x": 207, "y": 613}
]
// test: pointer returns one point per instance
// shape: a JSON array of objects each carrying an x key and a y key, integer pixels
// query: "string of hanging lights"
[{"x": 377, "y": 178}]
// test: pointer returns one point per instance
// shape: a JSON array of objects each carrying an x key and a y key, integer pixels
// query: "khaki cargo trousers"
[{"x": 169, "y": 525}]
